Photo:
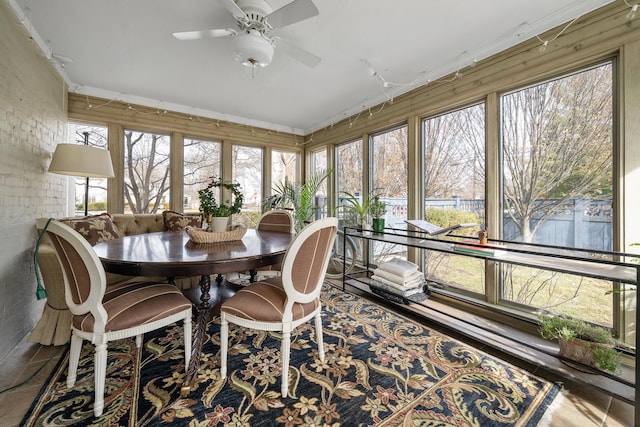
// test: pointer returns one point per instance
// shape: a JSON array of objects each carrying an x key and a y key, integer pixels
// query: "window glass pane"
[
  {"x": 557, "y": 146},
  {"x": 319, "y": 160},
  {"x": 388, "y": 152},
  {"x": 97, "y": 136},
  {"x": 349, "y": 172},
  {"x": 284, "y": 166},
  {"x": 146, "y": 172},
  {"x": 319, "y": 165},
  {"x": 247, "y": 171},
  {"x": 454, "y": 165},
  {"x": 202, "y": 160}
]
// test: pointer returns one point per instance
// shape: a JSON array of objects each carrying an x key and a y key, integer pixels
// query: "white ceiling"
[{"x": 124, "y": 50}]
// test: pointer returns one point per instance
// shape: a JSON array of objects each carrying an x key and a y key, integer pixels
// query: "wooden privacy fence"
[{"x": 575, "y": 223}]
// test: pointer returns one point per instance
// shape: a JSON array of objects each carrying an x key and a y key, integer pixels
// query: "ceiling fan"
[{"x": 251, "y": 41}]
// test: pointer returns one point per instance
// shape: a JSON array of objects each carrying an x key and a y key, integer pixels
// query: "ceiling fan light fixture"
[{"x": 252, "y": 49}]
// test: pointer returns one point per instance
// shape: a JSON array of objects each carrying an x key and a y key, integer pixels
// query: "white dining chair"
[
  {"x": 285, "y": 302},
  {"x": 102, "y": 314}
]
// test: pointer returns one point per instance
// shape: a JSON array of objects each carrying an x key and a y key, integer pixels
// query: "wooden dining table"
[{"x": 172, "y": 254}]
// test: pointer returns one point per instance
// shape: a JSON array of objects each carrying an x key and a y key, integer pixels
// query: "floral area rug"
[{"x": 380, "y": 369}]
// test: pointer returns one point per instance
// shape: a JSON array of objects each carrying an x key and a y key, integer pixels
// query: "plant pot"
[
  {"x": 580, "y": 350},
  {"x": 218, "y": 224},
  {"x": 365, "y": 229},
  {"x": 378, "y": 225}
]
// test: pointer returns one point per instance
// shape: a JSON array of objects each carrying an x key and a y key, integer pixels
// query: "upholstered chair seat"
[
  {"x": 265, "y": 301},
  {"x": 133, "y": 304}
]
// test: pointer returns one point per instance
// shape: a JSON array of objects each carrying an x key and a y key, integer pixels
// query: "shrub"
[{"x": 448, "y": 217}]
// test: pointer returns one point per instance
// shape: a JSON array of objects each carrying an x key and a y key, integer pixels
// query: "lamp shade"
[{"x": 81, "y": 160}]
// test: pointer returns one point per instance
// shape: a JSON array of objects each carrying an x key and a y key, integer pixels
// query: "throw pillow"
[
  {"x": 95, "y": 228},
  {"x": 176, "y": 221}
]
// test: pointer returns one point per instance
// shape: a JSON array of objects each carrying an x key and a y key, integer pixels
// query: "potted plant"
[
  {"x": 359, "y": 208},
  {"x": 583, "y": 342},
  {"x": 377, "y": 209},
  {"x": 299, "y": 197},
  {"x": 217, "y": 214}
]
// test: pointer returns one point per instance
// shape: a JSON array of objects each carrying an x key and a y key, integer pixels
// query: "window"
[
  {"x": 454, "y": 168},
  {"x": 247, "y": 171},
  {"x": 389, "y": 169},
  {"x": 146, "y": 172},
  {"x": 318, "y": 161},
  {"x": 284, "y": 167},
  {"x": 202, "y": 160},
  {"x": 97, "y": 136},
  {"x": 557, "y": 175},
  {"x": 349, "y": 175}
]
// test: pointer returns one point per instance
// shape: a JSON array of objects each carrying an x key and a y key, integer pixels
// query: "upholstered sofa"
[{"x": 54, "y": 327}]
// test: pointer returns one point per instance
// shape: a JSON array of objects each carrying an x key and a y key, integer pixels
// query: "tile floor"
[{"x": 579, "y": 406}]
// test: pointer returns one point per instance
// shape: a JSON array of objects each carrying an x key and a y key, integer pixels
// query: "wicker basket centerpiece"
[{"x": 198, "y": 235}]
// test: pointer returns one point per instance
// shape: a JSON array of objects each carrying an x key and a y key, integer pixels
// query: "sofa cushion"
[
  {"x": 95, "y": 228},
  {"x": 176, "y": 221},
  {"x": 130, "y": 224}
]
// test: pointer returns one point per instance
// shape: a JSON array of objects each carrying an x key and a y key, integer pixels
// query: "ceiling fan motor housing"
[
  {"x": 252, "y": 49},
  {"x": 256, "y": 10}
]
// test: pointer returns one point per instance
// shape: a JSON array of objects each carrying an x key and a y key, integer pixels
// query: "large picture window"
[
  {"x": 454, "y": 191},
  {"x": 349, "y": 176},
  {"x": 146, "y": 172},
  {"x": 318, "y": 160},
  {"x": 557, "y": 175},
  {"x": 284, "y": 167},
  {"x": 202, "y": 161},
  {"x": 389, "y": 169},
  {"x": 247, "y": 171}
]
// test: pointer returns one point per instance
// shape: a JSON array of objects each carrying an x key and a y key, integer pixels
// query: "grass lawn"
[{"x": 559, "y": 293}]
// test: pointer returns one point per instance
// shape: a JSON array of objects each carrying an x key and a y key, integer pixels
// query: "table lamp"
[{"x": 82, "y": 160}]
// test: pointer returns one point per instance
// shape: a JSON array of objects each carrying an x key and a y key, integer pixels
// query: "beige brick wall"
[{"x": 33, "y": 111}]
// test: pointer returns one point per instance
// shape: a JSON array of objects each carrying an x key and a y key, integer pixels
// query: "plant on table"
[
  {"x": 377, "y": 209},
  {"x": 357, "y": 206},
  {"x": 210, "y": 207}
]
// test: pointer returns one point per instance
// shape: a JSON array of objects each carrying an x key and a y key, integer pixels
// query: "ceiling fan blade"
[
  {"x": 296, "y": 11},
  {"x": 204, "y": 34},
  {"x": 233, "y": 9},
  {"x": 297, "y": 53}
]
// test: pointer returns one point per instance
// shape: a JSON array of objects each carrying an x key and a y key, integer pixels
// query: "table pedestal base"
[{"x": 207, "y": 303}]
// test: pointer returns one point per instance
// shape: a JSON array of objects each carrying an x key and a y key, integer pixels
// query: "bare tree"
[
  {"x": 390, "y": 163},
  {"x": 349, "y": 166},
  {"x": 454, "y": 145},
  {"x": 202, "y": 160},
  {"x": 557, "y": 145},
  {"x": 146, "y": 171},
  {"x": 284, "y": 166},
  {"x": 247, "y": 171}
]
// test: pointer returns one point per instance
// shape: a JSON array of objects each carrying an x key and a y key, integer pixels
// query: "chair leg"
[
  {"x": 74, "y": 358},
  {"x": 284, "y": 356},
  {"x": 318, "y": 321},
  {"x": 187, "y": 341},
  {"x": 100, "y": 372},
  {"x": 224, "y": 337}
]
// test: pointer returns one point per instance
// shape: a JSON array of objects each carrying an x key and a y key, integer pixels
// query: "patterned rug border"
[{"x": 537, "y": 414}]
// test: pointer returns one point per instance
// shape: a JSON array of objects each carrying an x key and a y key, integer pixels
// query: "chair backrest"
[
  {"x": 306, "y": 260},
  {"x": 276, "y": 220},
  {"x": 84, "y": 277}
]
